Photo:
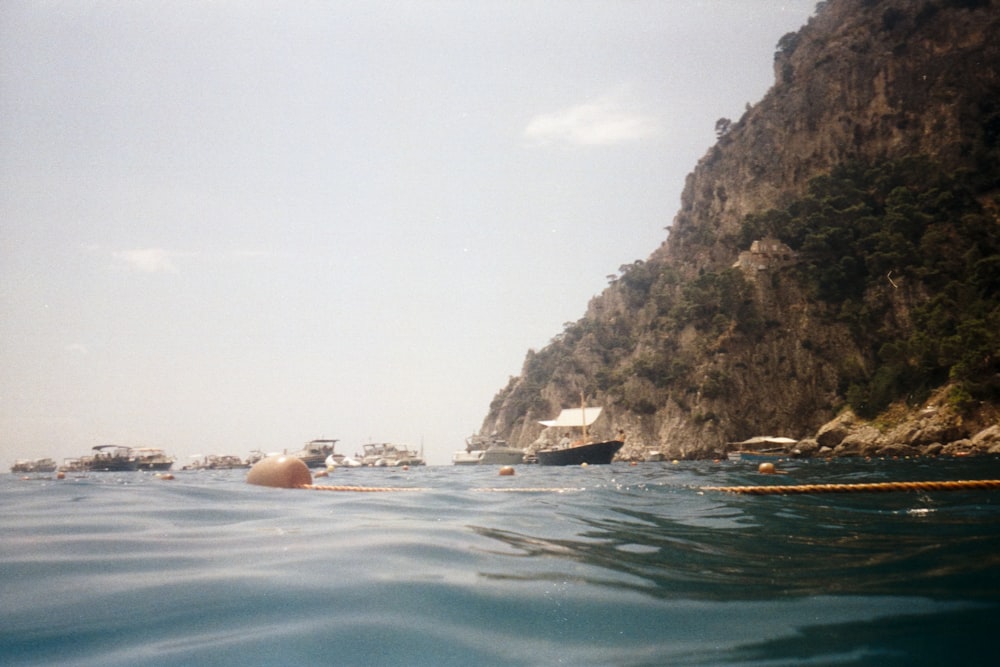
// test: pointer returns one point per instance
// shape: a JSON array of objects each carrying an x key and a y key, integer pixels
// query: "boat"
[
  {"x": 592, "y": 453},
  {"x": 384, "y": 454},
  {"x": 333, "y": 461},
  {"x": 465, "y": 457},
  {"x": 316, "y": 452},
  {"x": 582, "y": 451},
  {"x": 109, "y": 458},
  {"x": 151, "y": 458},
  {"x": 34, "y": 465},
  {"x": 757, "y": 449},
  {"x": 757, "y": 455},
  {"x": 217, "y": 462},
  {"x": 72, "y": 465},
  {"x": 224, "y": 462},
  {"x": 502, "y": 455},
  {"x": 487, "y": 450}
]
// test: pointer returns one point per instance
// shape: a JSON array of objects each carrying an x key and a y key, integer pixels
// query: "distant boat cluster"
[
  {"x": 315, "y": 454},
  {"x": 104, "y": 458},
  {"x": 321, "y": 453},
  {"x": 479, "y": 450}
]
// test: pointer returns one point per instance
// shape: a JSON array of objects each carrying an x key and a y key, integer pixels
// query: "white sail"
[{"x": 571, "y": 417}]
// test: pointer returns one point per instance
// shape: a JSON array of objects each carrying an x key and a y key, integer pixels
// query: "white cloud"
[
  {"x": 148, "y": 260},
  {"x": 603, "y": 122},
  {"x": 76, "y": 348}
]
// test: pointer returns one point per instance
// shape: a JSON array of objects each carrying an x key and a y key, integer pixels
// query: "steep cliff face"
[
  {"x": 863, "y": 80},
  {"x": 873, "y": 104}
]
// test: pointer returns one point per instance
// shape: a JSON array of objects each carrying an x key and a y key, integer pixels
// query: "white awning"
[{"x": 571, "y": 417}]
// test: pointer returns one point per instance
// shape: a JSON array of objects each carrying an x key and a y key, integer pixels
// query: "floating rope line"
[
  {"x": 772, "y": 489},
  {"x": 528, "y": 489},
  {"x": 379, "y": 489},
  {"x": 357, "y": 489},
  {"x": 780, "y": 489}
]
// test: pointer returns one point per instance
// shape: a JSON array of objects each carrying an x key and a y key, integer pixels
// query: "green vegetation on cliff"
[{"x": 863, "y": 233}]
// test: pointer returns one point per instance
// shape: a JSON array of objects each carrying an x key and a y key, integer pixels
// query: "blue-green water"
[{"x": 624, "y": 566}]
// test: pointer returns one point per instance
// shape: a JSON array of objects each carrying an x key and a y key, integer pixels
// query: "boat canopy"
[
  {"x": 574, "y": 417},
  {"x": 765, "y": 440}
]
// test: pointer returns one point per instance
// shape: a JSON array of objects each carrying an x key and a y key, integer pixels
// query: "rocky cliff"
[{"x": 836, "y": 253}]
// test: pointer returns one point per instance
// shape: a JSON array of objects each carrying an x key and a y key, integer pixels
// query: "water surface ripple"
[{"x": 606, "y": 565}]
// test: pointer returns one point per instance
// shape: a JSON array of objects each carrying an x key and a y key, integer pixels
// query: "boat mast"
[{"x": 583, "y": 416}]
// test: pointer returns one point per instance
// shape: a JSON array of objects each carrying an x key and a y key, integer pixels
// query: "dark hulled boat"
[
  {"x": 591, "y": 453},
  {"x": 109, "y": 458},
  {"x": 595, "y": 453}
]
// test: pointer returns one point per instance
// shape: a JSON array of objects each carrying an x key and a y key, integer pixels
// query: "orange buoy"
[
  {"x": 406, "y": 467},
  {"x": 507, "y": 470},
  {"x": 60, "y": 475},
  {"x": 164, "y": 475},
  {"x": 286, "y": 472},
  {"x": 766, "y": 468}
]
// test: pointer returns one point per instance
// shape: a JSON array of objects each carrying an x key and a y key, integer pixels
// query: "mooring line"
[
  {"x": 528, "y": 489},
  {"x": 379, "y": 489},
  {"x": 359, "y": 489},
  {"x": 771, "y": 489},
  {"x": 781, "y": 489}
]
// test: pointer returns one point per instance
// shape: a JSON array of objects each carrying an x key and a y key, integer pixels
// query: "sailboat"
[{"x": 590, "y": 453}]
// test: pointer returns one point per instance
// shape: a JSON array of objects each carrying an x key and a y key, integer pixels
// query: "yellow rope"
[
  {"x": 774, "y": 489},
  {"x": 528, "y": 489},
  {"x": 860, "y": 488},
  {"x": 363, "y": 489}
]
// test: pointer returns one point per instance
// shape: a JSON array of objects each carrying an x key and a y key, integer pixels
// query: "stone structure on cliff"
[{"x": 685, "y": 355}]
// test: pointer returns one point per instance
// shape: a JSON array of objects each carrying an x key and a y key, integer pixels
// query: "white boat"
[
  {"x": 762, "y": 448},
  {"x": 487, "y": 450},
  {"x": 343, "y": 462},
  {"x": 502, "y": 455},
  {"x": 151, "y": 458},
  {"x": 216, "y": 462},
  {"x": 316, "y": 452},
  {"x": 34, "y": 465},
  {"x": 465, "y": 457},
  {"x": 388, "y": 455}
]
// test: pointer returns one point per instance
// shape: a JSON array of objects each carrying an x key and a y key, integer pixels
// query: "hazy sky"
[{"x": 227, "y": 226}]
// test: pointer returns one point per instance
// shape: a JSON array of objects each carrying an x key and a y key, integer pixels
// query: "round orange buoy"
[
  {"x": 406, "y": 467},
  {"x": 166, "y": 476},
  {"x": 286, "y": 472},
  {"x": 632, "y": 463},
  {"x": 507, "y": 470},
  {"x": 766, "y": 468},
  {"x": 60, "y": 475}
]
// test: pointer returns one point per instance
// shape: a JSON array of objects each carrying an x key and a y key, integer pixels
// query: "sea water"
[{"x": 599, "y": 565}]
